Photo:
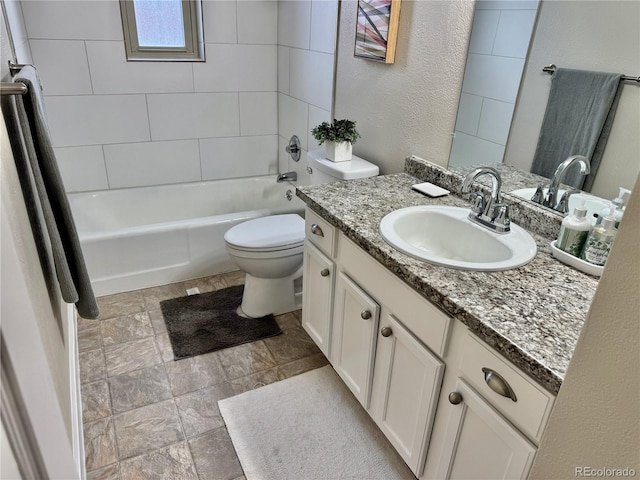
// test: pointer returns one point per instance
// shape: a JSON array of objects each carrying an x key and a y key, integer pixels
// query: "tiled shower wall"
[{"x": 121, "y": 124}]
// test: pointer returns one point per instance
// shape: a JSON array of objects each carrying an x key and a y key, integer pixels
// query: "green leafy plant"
[{"x": 337, "y": 131}]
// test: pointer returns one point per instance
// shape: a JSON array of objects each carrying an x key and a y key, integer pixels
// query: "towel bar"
[{"x": 550, "y": 69}]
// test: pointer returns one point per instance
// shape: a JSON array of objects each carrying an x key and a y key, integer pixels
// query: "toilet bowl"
[{"x": 269, "y": 251}]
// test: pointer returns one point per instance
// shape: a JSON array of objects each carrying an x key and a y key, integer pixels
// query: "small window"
[{"x": 159, "y": 30}]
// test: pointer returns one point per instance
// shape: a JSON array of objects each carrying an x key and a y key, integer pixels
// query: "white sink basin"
[
  {"x": 445, "y": 236},
  {"x": 594, "y": 204}
]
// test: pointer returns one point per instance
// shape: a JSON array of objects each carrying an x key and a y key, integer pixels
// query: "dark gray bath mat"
[{"x": 207, "y": 322}]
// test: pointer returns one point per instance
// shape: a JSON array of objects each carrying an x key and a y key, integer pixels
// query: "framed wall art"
[{"x": 377, "y": 29}]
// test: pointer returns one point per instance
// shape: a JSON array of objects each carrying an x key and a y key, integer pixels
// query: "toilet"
[{"x": 270, "y": 249}]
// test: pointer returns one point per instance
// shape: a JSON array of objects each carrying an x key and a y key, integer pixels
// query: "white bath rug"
[{"x": 308, "y": 427}]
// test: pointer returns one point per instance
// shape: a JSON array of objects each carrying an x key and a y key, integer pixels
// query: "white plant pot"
[{"x": 337, "y": 152}]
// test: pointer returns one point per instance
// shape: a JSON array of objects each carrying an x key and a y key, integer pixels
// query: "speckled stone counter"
[{"x": 532, "y": 315}]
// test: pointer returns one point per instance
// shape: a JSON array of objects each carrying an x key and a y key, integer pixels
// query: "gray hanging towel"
[
  {"x": 578, "y": 120},
  {"x": 42, "y": 183}
]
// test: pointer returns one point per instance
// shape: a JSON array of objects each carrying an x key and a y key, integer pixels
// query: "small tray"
[{"x": 576, "y": 262}]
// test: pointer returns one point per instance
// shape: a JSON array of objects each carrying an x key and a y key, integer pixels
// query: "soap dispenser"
[
  {"x": 618, "y": 207},
  {"x": 574, "y": 231},
  {"x": 599, "y": 241}
]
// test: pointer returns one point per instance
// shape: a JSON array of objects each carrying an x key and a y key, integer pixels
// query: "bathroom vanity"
[{"x": 459, "y": 369}]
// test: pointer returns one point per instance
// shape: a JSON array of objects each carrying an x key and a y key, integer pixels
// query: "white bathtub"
[{"x": 142, "y": 237}]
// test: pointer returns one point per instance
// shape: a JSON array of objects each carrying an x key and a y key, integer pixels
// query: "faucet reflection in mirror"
[
  {"x": 488, "y": 210},
  {"x": 550, "y": 198}
]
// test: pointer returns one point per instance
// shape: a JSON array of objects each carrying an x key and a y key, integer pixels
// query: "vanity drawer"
[
  {"x": 321, "y": 233},
  {"x": 482, "y": 367}
]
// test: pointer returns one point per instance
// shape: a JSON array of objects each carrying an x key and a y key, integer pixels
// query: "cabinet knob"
[
  {"x": 455, "y": 398},
  {"x": 498, "y": 384},
  {"x": 324, "y": 272},
  {"x": 365, "y": 314},
  {"x": 316, "y": 230},
  {"x": 386, "y": 331}
]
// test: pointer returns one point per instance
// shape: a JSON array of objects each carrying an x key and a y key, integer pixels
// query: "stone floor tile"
[
  {"x": 153, "y": 296},
  {"x": 89, "y": 338},
  {"x": 199, "y": 411},
  {"x": 126, "y": 357},
  {"x": 84, "y": 323},
  {"x": 126, "y": 329},
  {"x": 255, "y": 380},
  {"x": 234, "y": 278},
  {"x": 110, "y": 472},
  {"x": 214, "y": 456},
  {"x": 100, "y": 444},
  {"x": 287, "y": 320},
  {"x": 139, "y": 388},
  {"x": 245, "y": 359},
  {"x": 121, "y": 304},
  {"x": 157, "y": 321},
  {"x": 302, "y": 365},
  {"x": 92, "y": 366},
  {"x": 164, "y": 347},
  {"x": 194, "y": 373},
  {"x": 292, "y": 344},
  {"x": 148, "y": 428},
  {"x": 96, "y": 403},
  {"x": 172, "y": 462}
]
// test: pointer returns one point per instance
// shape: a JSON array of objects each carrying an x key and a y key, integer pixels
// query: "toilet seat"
[{"x": 274, "y": 233}]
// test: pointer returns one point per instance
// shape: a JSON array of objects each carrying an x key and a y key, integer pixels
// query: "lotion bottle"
[
  {"x": 574, "y": 231},
  {"x": 599, "y": 241},
  {"x": 618, "y": 205}
]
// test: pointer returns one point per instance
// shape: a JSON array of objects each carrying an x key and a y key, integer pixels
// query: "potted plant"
[{"x": 337, "y": 136}]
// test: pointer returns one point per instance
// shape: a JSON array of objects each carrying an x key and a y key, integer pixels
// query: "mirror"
[{"x": 595, "y": 35}]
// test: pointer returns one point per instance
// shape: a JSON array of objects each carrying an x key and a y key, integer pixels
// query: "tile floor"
[{"x": 148, "y": 416}]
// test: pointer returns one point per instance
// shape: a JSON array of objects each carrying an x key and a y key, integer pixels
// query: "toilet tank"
[{"x": 322, "y": 170}]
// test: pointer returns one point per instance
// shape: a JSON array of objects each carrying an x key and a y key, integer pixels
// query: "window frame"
[{"x": 193, "y": 51}]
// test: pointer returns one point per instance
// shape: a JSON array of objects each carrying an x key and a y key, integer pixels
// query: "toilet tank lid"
[
  {"x": 355, "y": 168},
  {"x": 267, "y": 232}
]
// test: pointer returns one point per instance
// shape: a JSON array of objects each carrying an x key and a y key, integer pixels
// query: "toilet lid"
[{"x": 268, "y": 232}]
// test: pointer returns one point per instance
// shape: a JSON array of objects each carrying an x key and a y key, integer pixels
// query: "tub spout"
[{"x": 287, "y": 177}]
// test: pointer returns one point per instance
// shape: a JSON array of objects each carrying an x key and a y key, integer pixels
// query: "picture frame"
[{"x": 377, "y": 29}]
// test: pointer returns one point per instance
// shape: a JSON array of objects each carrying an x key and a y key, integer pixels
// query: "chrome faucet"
[
  {"x": 550, "y": 199},
  {"x": 487, "y": 211},
  {"x": 287, "y": 177}
]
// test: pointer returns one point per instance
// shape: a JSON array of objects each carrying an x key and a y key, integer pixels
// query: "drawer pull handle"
[
  {"x": 455, "y": 398},
  {"x": 386, "y": 331},
  {"x": 498, "y": 384},
  {"x": 316, "y": 230},
  {"x": 365, "y": 314},
  {"x": 324, "y": 272}
]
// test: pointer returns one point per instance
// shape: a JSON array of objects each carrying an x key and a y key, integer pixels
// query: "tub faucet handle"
[{"x": 287, "y": 177}]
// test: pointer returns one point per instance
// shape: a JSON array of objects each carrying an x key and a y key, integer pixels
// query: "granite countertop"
[{"x": 532, "y": 315}]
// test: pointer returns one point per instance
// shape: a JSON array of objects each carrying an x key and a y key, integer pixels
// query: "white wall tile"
[
  {"x": 300, "y": 168},
  {"x": 258, "y": 22},
  {"x": 97, "y": 119},
  {"x": 514, "y": 33},
  {"x": 176, "y": 116},
  {"x": 483, "y": 32},
  {"x": 316, "y": 117},
  {"x": 493, "y": 77},
  {"x": 283, "y": 156},
  {"x": 293, "y": 116},
  {"x": 468, "y": 150},
  {"x": 111, "y": 73},
  {"x": 469, "y": 110},
  {"x": 294, "y": 23},
  {"x": 219, "y": 21},
  {"x": 258, "y": 113},
  {"x": 73, "y": 19},
  {"x": 82, "y": 168},
  {"x": 495, "y": 121},
  {"x": 283, "y": 69},
  {"x": 312, "y": 77},
  {"x": 152, "y": 163},
  {"x": 63, "y": 67},
  {"x": 233, "y": 68},
  {"x": 324, "y": 21},
  {"x": 234, "y": 157}
]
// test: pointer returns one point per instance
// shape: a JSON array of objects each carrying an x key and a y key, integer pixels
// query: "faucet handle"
[
  {"x": 501, "y": 217},
  {"x": 563, "y": 204},
  {"x": 538, "y": 197},
  {"x": 478, "y": 202}
]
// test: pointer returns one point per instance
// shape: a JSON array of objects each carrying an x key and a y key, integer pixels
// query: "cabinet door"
[
  {"x": 408, "y": 381},
  {"x": 355, "y": 323},
  {"x": 317, "y": 296},
  {"x": 480, "y": 443}
]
